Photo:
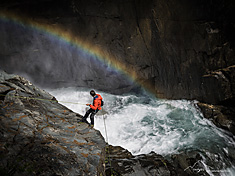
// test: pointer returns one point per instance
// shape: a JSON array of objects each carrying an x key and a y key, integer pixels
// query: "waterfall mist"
[{"x": 50, "y": 61}]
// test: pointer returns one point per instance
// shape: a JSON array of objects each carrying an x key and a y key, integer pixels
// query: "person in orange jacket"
[{"x": 93, "y": 108}]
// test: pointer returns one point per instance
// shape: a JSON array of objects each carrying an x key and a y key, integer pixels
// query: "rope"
[
  {"x": 41, "y": 99},
  {"x": 105, "y": 129},
  {"x": 107, "y": 146}
]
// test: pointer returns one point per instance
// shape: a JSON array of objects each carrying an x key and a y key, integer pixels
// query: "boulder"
[
  {"x": 119, "y": 161},
  {"x": 221, "y": 116},
  {"x": 195, "y": 162}
]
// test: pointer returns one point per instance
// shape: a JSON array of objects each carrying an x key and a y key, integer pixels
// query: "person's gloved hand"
[{"x": 88, "y": 104}]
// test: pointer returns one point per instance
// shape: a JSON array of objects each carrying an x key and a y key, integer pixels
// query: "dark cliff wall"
[
  {"x": 180, "y": 48},
  {"x": 194, "y": 42}
]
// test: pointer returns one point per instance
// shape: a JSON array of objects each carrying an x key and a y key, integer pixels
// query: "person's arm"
[{"x": 95, "y": 104}]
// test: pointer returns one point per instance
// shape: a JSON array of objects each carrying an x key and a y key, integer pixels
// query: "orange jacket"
[{"x": 96, "y": 102}]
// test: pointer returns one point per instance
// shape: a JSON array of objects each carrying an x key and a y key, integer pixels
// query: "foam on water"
[{"x": 142, "y": 124}]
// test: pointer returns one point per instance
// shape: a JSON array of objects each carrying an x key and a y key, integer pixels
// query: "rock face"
[
  {"x": 121, "y": 162},
  {"x": 38, "y": 136},
  {"x": 221, "y": 116},
  {"x": 188, "y": 163},
  {"x": 222, "y": 113}
]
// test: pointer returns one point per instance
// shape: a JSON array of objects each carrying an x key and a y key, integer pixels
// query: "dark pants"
[{"x": 92, "y": 112}]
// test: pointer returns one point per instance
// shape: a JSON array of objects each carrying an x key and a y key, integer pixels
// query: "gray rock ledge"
[{"x": 39, "y": 136}]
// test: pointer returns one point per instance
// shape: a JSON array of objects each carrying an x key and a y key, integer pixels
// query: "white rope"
[
  {"x": 105, "y": 130},
  {"x": 41, "y": 99}
]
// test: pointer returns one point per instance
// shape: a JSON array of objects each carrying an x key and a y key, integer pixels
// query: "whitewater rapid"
[{"x": 143, "y": 124}]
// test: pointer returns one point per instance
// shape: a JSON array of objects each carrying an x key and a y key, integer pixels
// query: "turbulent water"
[{"x": 143, "y": 124}]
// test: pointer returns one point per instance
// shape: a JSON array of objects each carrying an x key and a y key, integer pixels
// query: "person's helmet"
[{"x": 92, "y": 92}]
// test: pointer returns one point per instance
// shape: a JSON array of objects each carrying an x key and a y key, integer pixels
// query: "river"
[{"x": 142, "y": 124}]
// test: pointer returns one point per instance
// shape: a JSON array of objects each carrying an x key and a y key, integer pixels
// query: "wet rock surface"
[
  {"x": 119, "y": 161},
  {"x": 201, "y": 163},
  {"x": 221, "y": 116},
  {"x": 39, "y": 136},
  {"x": 222, "y": 109}
]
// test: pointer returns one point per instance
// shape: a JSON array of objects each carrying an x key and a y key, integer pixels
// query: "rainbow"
[{"x": 82, "y": 44}]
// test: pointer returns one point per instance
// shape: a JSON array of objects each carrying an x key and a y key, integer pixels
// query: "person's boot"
[{"x": 84, "y": 121}]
